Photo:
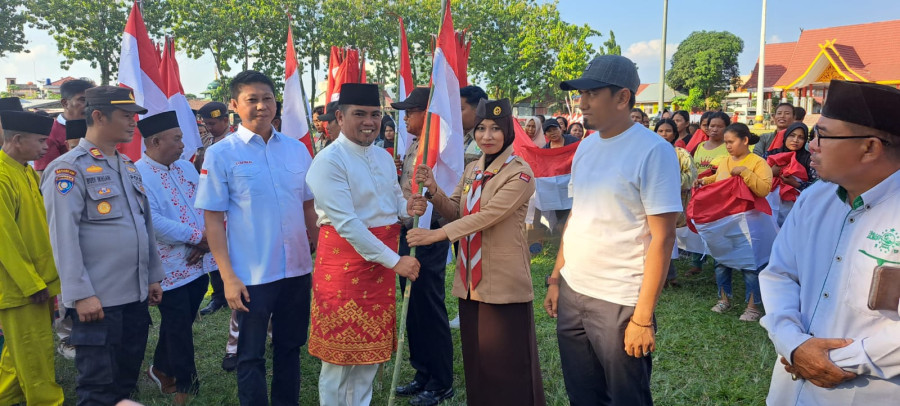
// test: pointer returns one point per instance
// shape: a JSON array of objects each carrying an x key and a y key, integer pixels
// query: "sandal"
[
  {"x": 751, "y": 314},
  {"x": 721, "y": 307}
]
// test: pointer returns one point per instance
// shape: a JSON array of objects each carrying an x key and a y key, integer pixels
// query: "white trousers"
[{"x": 349, "y": 385}]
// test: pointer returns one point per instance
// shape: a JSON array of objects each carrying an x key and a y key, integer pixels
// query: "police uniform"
[
  {"x": 27, "y": 372},
  {"x": 104, "y": 246}
]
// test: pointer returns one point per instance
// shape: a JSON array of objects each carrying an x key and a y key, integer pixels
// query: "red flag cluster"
[{"x": 344, "y": 66}]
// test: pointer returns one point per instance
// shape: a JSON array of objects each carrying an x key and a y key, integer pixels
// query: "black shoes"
[
  {"x": 229, "y": 363},
  {"x": 431, "y": 397},
  {"x": 212, "y": 307},
  {"x": 411, "y": 389}
]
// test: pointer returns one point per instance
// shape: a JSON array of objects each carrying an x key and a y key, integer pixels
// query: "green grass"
[{"x": 702, "y": 358}]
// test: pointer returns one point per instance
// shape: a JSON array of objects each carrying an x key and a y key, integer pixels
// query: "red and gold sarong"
[{"x": 353, "y": 308}]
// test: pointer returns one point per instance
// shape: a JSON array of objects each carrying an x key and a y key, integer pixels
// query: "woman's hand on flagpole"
[
  {"x": 418, "y": 237},
  {"x": 425, "y": 177}
]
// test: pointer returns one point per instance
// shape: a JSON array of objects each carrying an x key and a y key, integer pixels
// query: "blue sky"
[{"x": 636, "y": 23}]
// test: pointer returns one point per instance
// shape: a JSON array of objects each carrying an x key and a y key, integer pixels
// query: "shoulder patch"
[
  {"x": 64, "y": 171},
  {"x": 524, "y": 176},
  {"x": 64, "y": 182}
]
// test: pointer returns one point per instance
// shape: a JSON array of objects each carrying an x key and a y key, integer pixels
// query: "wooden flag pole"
[{"x": 404, "y": 309}]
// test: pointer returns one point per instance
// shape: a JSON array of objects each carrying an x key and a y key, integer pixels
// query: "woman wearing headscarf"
[
  {"x": 493, "y": 283},
  {"x": 387, "y": 134},
  {"x": 791, "y": 170},
  {"x": 534, "y": 129}
]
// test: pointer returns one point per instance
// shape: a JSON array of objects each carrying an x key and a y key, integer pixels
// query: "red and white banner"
[
  {"x": 443, "y": 128},
  {"x": 783, "y": 195},
  {"x": 293, "y": 110},
  {"x": 177, "y": 102},
  {"x": 552, "y": 169},
  {"x": 344, "y": 66},
  {"x": 139, "y": 71},
  {"x": 405, "y": 86},
  {"x": 736, "y": 225}
]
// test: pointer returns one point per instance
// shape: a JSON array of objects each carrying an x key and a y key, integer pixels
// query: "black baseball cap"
[
  {"x": 213, "y": 110},
  {"x": 417, "y": 99},
  {"x": 329, "y": 112},
  {"x": 550, "y": 123},
  {"x": 118, "y": 97},
  {"x": 604, "y": 71}
]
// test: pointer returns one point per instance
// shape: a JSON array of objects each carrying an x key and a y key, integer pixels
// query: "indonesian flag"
[
  {"x": 344, "y": 66},
  {"x": 293, "y": 110},
  {"x": 139, "y": 71},
  {"x": 334, "y": 66},
  {"x": 735, "y": 224},
  {"x": 405, "y": 86},
  {"x": 783, "y": 195},
  {"x": 171, "y": 82},
  {"x": 552, "y": 170},
  {"x": 443, "y": 126},
  {"x": 698, "y": 138},
  {"x": 463, "y": 46}
]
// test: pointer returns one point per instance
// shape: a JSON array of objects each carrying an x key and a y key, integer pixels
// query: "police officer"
[{"x": 104, "y": 247}]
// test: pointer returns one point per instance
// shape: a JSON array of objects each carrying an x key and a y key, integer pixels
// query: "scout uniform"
[
  {"x": 104, "y": 246},
  {"x": 27, "y": 372},
  {"x": 493, "y": 281}
]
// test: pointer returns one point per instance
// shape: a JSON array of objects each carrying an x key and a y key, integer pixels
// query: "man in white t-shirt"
[{"x": 613, "y": 258}]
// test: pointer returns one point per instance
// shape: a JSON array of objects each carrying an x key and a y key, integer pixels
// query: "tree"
[
  {"x": 13, "y": 22},
  {"x": 706, "y": 62},
  {"x": 90, "y": 30},
  {"x": 610, "y": 46}
]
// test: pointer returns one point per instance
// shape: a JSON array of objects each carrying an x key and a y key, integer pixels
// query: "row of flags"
[{"x": 154, "y": 77}]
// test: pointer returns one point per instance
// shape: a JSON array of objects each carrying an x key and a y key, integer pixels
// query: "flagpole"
[
  {"x": 404, "y": 310},
  {"x": 760, "y": 73},
  {"x": 399, "y": 78},
  {"x": 662, "y": 59}
]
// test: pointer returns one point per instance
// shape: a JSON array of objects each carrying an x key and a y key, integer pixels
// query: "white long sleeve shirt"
[
  {"x": 355, "y": 189},
  {"x": 817, "y": 285},
  {"x": 171, "y": 191}
]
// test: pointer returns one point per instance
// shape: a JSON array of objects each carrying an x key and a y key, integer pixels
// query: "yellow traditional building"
[{"x": 799, "y": 72}]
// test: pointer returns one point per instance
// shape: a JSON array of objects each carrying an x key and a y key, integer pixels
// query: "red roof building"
[{"x": 800, "y": 71}]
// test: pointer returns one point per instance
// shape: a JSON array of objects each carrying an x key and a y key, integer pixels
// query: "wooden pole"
[{"x": 404, "y": 308}]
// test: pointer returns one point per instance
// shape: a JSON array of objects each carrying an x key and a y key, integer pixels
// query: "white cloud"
[
  {"x": 646, "y": 55},
  {"x": 774, "y": 39}
]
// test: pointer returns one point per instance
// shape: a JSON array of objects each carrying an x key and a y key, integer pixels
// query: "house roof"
[
  {"x": 61, "y": 81},
  {"x": 864, "y": 52},
  {"x": 778, "y": 57},
  {"x": 649, "y": 93}
]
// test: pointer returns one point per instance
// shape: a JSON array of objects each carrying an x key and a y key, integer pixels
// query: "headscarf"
[
  {"x": 803, "y": 155},
  {"x": 387, "y": 121},
  {"x": 538, "y": 139}
]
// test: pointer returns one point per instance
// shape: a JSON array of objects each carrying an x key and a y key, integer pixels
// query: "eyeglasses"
[{"x": 815, "y": 135}]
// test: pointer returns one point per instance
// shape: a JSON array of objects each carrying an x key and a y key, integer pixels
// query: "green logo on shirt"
[{"x": 887, "y": 242}]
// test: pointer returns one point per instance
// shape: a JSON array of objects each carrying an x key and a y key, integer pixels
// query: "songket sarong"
[{"x": 353, "y": 314}]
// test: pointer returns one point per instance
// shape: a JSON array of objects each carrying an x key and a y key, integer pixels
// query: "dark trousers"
[
  {"x": 286, "y": 303},
  {"x": 109, "y": 353},
  {"x": 218, "y": 287},
  {"x": 430, "y": 343},
  {"x": 174, "y": 354},
  {"x": 596, "y": 369}
]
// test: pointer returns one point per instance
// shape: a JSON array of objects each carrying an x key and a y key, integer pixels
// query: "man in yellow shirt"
[{"x": 28, "y": 277}]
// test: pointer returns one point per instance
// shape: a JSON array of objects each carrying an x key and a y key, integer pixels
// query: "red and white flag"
[
  {"x": 177, "y": 102},
  {"x": 443, "y": 129},
  {"x": 293, "y": 110},
  {"x": 405, "y": 86},
  {"x": 552, "y": 169},
  {"x": 736, "y": 225},
  {"x": 139, "y": 71}
]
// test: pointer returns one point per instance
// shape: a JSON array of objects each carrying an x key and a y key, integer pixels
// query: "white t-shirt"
[{"x": 615, "y": 184}]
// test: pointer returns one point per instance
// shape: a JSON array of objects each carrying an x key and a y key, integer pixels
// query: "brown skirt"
[{"x": 500, "y": 356}]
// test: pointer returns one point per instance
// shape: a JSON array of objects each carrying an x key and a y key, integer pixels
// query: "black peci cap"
[
  {"x": 155, "y": 124},
  {"x": 10, "y": 104},
  {"x": 866, "y": 104},
  {"x": 26, "y": 122},
  {"x": 75, "y": 129},
  {"x": 359, "y": 94}
]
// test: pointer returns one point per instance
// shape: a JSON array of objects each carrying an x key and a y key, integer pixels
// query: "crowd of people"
[{"x": 307, "y": 249}]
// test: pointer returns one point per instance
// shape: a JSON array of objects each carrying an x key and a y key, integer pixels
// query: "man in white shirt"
[
  {"x": 834, "y": 349},
  {"x": 359, "y": 203},
  {"x": 171, "y": 186},
  {"x": 257, "y": 176},
  {"x": 615, "y": 253}
]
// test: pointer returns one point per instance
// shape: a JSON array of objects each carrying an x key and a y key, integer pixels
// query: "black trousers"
[
  {"x": 286, "y": 302},
  {"x": 596, "y": 369},
  {"x": 174, "y": 355},
  {"x": 218, "y": 287},
  {"x": 430, "y": 343},
  {"x": 109, "y": 353}
]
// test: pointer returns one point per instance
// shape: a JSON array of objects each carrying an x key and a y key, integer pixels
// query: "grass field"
[{"x": 702, "y": 358}]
